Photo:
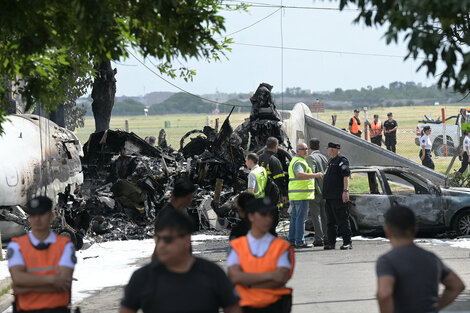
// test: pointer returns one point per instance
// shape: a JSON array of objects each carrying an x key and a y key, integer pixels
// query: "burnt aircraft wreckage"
[
  {"x": 116, "y": 186},
  {"x": 37, "y": 158}
]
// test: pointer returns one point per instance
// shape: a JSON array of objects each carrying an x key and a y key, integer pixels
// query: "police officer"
[
  {"x": 376, "y": 131},
  {"x": 425, "y": 144},
  {"x": 258, "y": 176},
  {"x": 390, "y": 129},
  {"x": 41, "y": 264},
  {"x": 336, "y": 194},
  {"x": 260, "y": 264},
  {"x": 465, "y": 155},
  {"x": 273, "y": 166},
  {"x": 355, "y": 124}
]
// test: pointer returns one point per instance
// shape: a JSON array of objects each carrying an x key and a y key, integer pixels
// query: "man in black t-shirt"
[
  {"x": 178, "y": 281},
  {"x": 390, "y": 131},
  {"x": 409, "y": 276}
]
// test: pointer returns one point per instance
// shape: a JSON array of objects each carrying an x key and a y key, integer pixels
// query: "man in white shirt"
[{"x": 258, "y": 176}]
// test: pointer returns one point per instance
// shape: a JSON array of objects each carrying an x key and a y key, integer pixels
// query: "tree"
[
  {"x": 39, "y": 38},
  {"x": 437, "y": 30}
]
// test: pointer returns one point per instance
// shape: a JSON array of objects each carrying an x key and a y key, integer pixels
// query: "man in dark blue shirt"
[{"x": 409, "y": 276}]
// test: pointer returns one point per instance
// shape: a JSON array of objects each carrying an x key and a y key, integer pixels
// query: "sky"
[{"x": 334, "y": 58}]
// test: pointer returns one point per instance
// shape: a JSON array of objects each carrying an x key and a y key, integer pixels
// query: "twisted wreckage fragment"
[{"x": 127, "y": 181}]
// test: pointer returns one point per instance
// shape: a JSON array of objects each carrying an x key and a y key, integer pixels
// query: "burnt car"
[{"x": 374, "y": 189}]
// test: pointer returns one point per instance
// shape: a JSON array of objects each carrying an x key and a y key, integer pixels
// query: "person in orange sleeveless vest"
[
  {"x": 355, "y": 127},
  {"x": 376, "y": 131},
  {"x": 260, "y": 264},
  {"x": 41, "y": 264}
]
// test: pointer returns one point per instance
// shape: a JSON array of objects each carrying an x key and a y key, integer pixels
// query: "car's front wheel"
[{"x": 461, "y": 224}]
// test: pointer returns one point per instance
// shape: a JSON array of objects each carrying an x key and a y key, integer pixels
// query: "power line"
[
  {"x": 267, "y": 5},
  {"x": 258, "y": 21},
  {"x": 323, "y": 51},
  {"x": 181, "y": 89},
  {"x": 282, "y": 62}
]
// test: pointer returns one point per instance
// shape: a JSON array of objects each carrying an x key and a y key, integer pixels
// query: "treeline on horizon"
[{"x": 397, "y": 94}]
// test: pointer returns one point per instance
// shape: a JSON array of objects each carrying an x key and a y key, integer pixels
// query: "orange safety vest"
[
  {"x": 355, "y": 127},
  {"x": 258, "y": 297},
  {"x": 42, "y": 262},
  {"x": 375, "y": 129}
]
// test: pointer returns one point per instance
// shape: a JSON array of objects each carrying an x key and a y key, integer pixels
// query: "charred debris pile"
[{"x": 127, "y": 181}]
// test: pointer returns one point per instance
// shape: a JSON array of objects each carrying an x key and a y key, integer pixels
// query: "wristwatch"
[{"x": 345, "y": 190}]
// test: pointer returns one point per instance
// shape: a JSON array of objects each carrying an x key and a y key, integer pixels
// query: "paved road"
[{"x": 324, "y": 281}]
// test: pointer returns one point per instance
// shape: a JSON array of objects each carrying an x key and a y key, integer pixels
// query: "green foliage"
[
  {"x": 458, "y": 179},
  {"x": 41, "y": 39},
  {"x": 435, "y": 29},
  {"x": 128, "y": 107}
]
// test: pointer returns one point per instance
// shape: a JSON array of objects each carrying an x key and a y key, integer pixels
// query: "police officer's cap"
[
  {"x": 389, "y": 114},
  {"x": 334, "y": 145},
  {"x": 425, "y": 128},
  {"x": 39, "y": 205},
  {"x": 261, "y": 205},
  {"x": 356, "y": 110}
]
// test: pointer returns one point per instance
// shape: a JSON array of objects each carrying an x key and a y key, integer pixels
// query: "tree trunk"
[
  {"x": 104, "y": 90},
  {"x": 58, "y": 116}
]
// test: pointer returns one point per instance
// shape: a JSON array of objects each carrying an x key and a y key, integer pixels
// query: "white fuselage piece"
[{"x": 37, "y": 157}]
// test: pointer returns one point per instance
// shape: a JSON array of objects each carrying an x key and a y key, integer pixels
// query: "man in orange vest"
[
  {"x": 41, "y": 264},
  {"x": 355, "y": 124},
  {"x": 376, "y": 131},
  {"x": 260, "y": 264}
]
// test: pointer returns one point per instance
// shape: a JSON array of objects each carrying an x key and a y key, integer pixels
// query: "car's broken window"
[
  {"x": 364, "y": 183},
  {"x": 402, "y": 184}
]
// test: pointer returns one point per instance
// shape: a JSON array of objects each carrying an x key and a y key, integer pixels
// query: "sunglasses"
[
  {"x": 304, "y": 149},
  {"x": 167, "y": 239}
]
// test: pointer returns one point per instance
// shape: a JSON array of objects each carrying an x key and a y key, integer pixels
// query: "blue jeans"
[{"x": 297, "y": 221}]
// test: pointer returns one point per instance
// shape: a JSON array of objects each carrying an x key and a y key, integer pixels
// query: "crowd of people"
[{"x": 259, "y": 263}]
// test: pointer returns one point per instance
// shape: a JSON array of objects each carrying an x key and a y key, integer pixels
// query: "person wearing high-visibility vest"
[
  {"x": 258, "y": 176},
  {"x": 301, "y": 190},
  {"x": 355, "y": 124},
  {"x": 260, "y": 264},
  {"x": 41, "y": 264},
  {"x": 376, "y": 131}
]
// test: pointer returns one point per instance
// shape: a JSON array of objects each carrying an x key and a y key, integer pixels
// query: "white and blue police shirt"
[
  {"x": 426, "y": 142},
  {"x": 15, "y": 257},
  {"x": 258, "y": 248},
  {"x": 466, "y": 144}
]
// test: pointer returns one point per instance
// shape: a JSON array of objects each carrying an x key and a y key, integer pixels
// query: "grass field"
[{"x": 407, "y": 118}]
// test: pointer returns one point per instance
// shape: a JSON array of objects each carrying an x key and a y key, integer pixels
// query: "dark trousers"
[
  {"x": 464, "y": 166},
  {"x": 391, "y": 143},
  {"x": 282, "y": 306},
  {"x": 427, "y": 161},
  {"x": 275, "y": 222},
  {"x": 337, "y": 214},
  {"x": 358, "y": 134},
  {"x": 377, "y": 140}
]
